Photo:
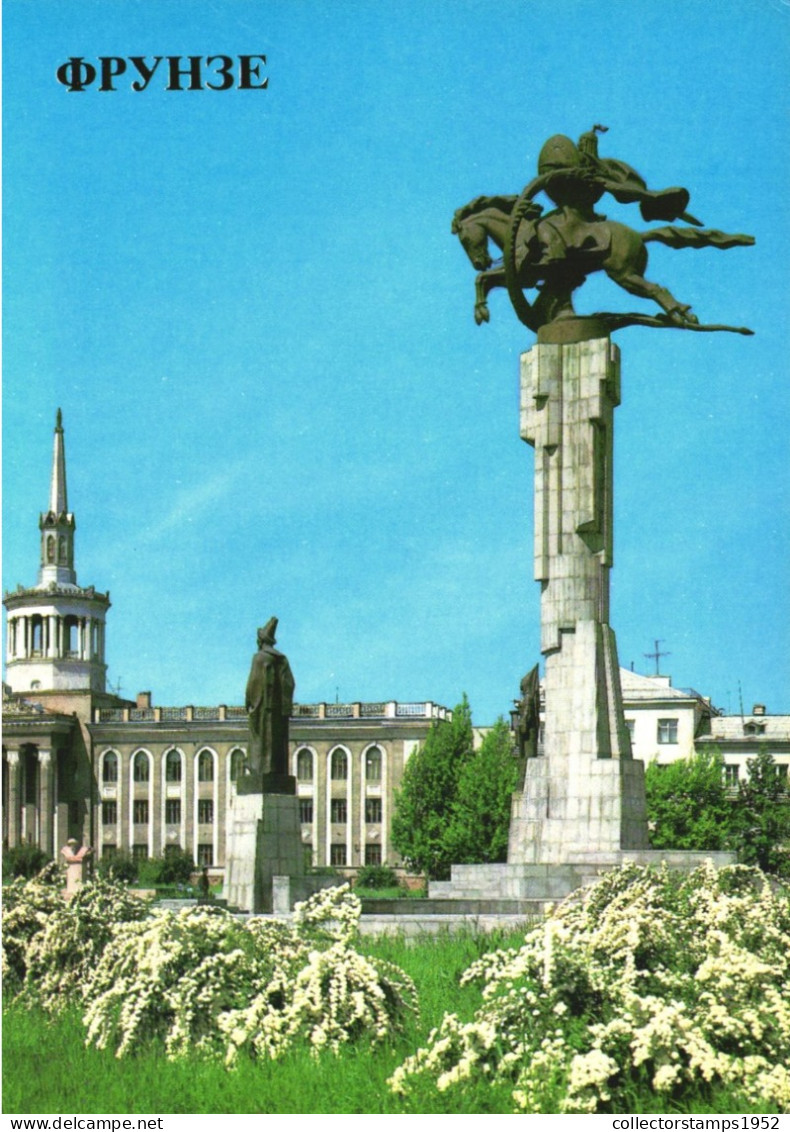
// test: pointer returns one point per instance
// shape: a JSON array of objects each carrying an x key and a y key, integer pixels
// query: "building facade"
[{"x": 126, "y": 776}]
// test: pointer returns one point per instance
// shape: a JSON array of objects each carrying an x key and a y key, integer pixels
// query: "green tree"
[
  {"x": 762, "y": 815},
  {"x": 687, "y": 803},
  {"x": 428, "y": 790},
  {"x": 480, "y": 820}
]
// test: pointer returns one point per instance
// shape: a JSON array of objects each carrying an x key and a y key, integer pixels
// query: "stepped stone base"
[{"x": 553, "y": 880}]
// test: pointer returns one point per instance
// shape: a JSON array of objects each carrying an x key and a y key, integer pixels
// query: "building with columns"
[
  {"x": 128, "y": 776},
  {"x": 131, "y": 776}
]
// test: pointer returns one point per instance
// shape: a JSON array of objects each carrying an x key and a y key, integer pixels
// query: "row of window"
[
  {"x": 140, "y": 811},
  {"x": 205, "y": 852},
  {"x": 141, "y": 765},
  {"x": 338, "y": 764},
  {"x": 338, "y": 811},
  {"x": 205, "y": 811},
  {"x": 338, "y": 854}
]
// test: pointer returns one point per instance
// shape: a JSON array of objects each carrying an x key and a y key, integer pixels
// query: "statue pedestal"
[
  {"x": 585, "y": 793},
  {"x": 264, "y": 842},
  {"x": 582, "y": 809}
]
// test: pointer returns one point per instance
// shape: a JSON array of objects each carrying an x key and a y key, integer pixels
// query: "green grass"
[{"x": 87, "y": 1080}]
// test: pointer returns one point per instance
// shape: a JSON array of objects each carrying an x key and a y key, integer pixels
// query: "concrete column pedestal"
[{"x": 264, "y": 841}]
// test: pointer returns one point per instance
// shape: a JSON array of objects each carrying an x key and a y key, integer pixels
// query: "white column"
[{"x": 45, "y": 800}]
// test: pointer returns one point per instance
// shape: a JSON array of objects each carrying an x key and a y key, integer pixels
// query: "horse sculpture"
[{"x": 555, "y": 252}]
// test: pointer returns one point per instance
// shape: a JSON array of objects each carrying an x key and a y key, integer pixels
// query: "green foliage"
[
  {"x": 428, "y": 791},
  {"x": 120, "y": 867},
  {"x": 687, "y": 803},
  {"x": 24, "y": 861},
  {"x": 376, "y": 876},
  {"x": 689, "y": 807},
  {"x": 480, "y": 818},
  {"x": 761, "y": 825},
  {"x": 175, "y": 867}
]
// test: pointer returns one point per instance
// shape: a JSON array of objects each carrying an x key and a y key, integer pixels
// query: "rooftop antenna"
[
  {"x": 657, "y": 653},
  {"x": 740, "y": 699}
]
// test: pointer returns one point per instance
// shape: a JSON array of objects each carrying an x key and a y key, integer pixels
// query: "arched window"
[
  {"x": 173, "y": 766},
  {"x": 205, "y": 767},
  {"x": 237, "y": 761},
  {"x": 304, "y": 765},
  {"x": 373, "y": 764},
  {"x": 37, "y": 629},
  {"x": 50, "y": 548},
  {"x": 109, "y": 767},
  {"x": 140, "y": 768},
  {"x": 339, "y": 764}
]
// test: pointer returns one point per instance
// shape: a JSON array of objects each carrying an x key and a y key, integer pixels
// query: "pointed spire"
[{"x": 58, "y": 502}]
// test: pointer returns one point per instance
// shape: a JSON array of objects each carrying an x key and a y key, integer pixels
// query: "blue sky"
[{"x": 251, "y": 310}]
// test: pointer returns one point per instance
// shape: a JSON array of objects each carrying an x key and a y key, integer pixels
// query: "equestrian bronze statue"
[{"x": 554, "y": 252}]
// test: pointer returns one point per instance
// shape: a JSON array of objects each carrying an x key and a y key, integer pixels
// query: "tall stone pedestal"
[
  {"x": 582, "y": 808},
  {"x": 264, "y": 842},
  {"x": 585, "y": 794}
]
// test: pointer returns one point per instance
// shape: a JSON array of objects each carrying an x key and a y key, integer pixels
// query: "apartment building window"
[
  {"x": 205, "y": 811},
  {"x": 205, "y": 854},
  {"x": 109, "y": 767},
  {"x": 237, "y": 760},
  {"x": 173, "y": 766},
  {"x": 731, "y": 775},
  {"x": 373, "y": 811},
  {"x": 372, "y": 854},
  {"x": 337, "y": 854},
  {"x": 140, "y": 811},
  {"x": 205, "y": 767},
  {"x": 339, "y": 771},
  {"x": 173, "y": 811},
  {"x": 304, "y": 765},
  {"x": 306, "y": 811},
  {"x": 109, "y": 813},
  {"x": 140, "y": 852},
  {"x": 338, "y": 810},
  {"x": 667, "y": 730},
  {"x": 140, "y": 767},
  {"x": 373, "y": 761}
]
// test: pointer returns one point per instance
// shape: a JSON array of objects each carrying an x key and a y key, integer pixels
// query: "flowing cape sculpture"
[
  {"x": 269, "y": 702},
  {"x": 554, "y": 253}
]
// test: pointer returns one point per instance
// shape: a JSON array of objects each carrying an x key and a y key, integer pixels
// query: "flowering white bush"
[
  {"x": 27, "y": 905},
  {"x": 333, "y": 912},
  {"x": 61, "y": 959},
  {"x": 680, "y": 981},
  {"x": 205, "y": 982}
]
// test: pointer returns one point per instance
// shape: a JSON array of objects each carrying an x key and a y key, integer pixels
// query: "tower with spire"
[{"x": 55, "y": 630}]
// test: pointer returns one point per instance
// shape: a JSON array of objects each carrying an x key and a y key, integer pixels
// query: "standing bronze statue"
[
  {"x": 269, "y": 703},
  {"x": 554, "y": 253}
]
